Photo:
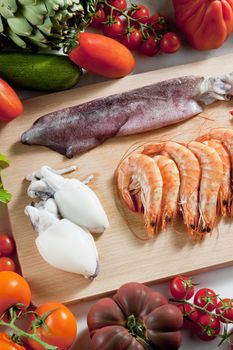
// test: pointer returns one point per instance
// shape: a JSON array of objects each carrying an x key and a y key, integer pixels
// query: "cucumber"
[{"x": 39, "y": 71}]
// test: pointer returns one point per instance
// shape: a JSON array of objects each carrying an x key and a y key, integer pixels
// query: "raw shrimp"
[
  {"x": 224, "y": 196},
  {"x": 211, "y": 179},
  {"x": 190, "y": 172},
  {"x": 171, "y": 186},
  {"x": 139, "y": 172}
]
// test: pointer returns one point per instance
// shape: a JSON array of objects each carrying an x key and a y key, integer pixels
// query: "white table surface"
[{"x": 220, "y": 280}]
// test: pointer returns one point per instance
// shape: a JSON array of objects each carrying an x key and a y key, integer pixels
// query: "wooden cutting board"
[{"x": 123, "y": 257}]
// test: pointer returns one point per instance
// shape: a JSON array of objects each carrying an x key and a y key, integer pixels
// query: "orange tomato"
[
  {"x": 62, "y": 327},
  {"x": 102, "y": 55},
  {"x": 10, "y": 105},
  {"x": 14, "y": 289},
  {"x": 7, "y": 344}
]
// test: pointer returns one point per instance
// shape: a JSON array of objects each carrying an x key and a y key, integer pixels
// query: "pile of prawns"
[{"x": 194, "y": 177}]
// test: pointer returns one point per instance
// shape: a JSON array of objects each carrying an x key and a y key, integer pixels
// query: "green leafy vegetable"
[{"x": 5, "y": 196}]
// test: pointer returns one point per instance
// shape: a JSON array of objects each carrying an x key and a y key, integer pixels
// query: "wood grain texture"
[{"x": 123, "y": 257}]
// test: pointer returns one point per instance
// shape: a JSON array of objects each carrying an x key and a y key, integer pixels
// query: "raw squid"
[
  {"x": 61, "y": 243},
  {"x": 76, "y": 201},
  {"x": 80, "y": 128}
]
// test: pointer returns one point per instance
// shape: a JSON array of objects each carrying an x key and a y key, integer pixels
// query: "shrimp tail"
[{"x": 152, "y": 150}]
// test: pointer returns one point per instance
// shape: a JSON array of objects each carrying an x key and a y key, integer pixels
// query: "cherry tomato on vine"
[
  {"x": 99, "y": 18},
  {"x": 6, "y": 343},
  {"x": 119, "y": 4},
  {"x": 133, "y": 39},
  {"x": 14, "y": 289},
  {"x": 157, "y": 22},
  {"x": 7, "y": 245},
  {"x": 225, "y": 308},
  {"x": 114, "y": 28},
  {"x": 189, "y": 312},
  {"x": 206, "y": 297},
  {"x": 61, "y": 327},
  {"x": 170, "y": 43},
  {"x": 7, "y": 264},
  {"x": 149, "y": 47},
  {"x": 208, "y": 327},
  {"x": 140, "y": 13},
  {"x": 181, "y": 287}
]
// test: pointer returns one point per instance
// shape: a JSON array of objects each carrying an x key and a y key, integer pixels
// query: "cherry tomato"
[
  {"x": 114, "y": 28},
  {"x": 119, "y": 4},
  {"x": 225, "y": 308},
  {"x": 10, "y": 105},
  {"x": 132, "y": 40},
  {"x": 181, "y": 287},
  {"x": 140, "y": 13},
  {"x": 14, "y": 289},
  {"x": 157, "y": 22},
  {"x": 7, "y": 264},
  {"x": 6, "y": 343},
  {"x": 99, "y": 18},
  {"x": 208, "y": 327},
  {"x": 170, "y": 43},
  {"x": 7, "y": 245},
  {"x": 149, "y": 47},
  {"x": 105, "y": 56},
  {"x": 206, "y": 297},
  {"x": 61, "y": 323},
  {"x": 189, "y": 312}
]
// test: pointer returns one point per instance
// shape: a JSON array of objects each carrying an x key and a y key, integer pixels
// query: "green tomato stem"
[{"x": 20, "y": 333}]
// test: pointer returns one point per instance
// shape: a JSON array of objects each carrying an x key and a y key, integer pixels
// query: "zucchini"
[{"x": 39, "y": 71}]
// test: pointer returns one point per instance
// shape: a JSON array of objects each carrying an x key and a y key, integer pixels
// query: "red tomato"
[
  {"x": 105, "y": 56},
  {"x": 208, "y": 327},
  {"x": 189, "y": 311},
  {"x": 140, "y": 13},
  {"x": 119, "y": 4},
  {"x": 14, "y": 289},
  {"x": 114, "y": 28},
  {"x": 6, "y": 343},
  {"x": 62, "y": 327},
  {"x": 7, "y": 245},
  {"x": 10, "y": 105},
  {"x": 132, "y": 40},
  {"x": 7, "y": 264},
  {"x": 157, "y": 22},
  {"x": 181, "y": 287},
  {"x": 170, "y": 43},
  {"x": 149, "y": 47},
  {"x": 206, "y": 297},
  {"x": 99, "y": 18},
  {"x": 225, "y": 308}
]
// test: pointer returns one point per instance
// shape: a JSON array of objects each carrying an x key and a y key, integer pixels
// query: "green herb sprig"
[{"x": 5, "y": 196}]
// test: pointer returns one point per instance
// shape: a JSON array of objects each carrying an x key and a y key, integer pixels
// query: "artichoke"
[{"x": 45, "y": 23}]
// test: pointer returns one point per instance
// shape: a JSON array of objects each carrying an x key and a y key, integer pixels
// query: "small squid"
[
  {"x": 75, "y": 200},
  {"x": 61, "y": 243}
]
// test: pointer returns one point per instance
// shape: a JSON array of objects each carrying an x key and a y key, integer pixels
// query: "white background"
[{"x": 220, "y": 280}]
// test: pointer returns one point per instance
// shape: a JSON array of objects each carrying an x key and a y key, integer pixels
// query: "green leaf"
[
  {"x": 19, "y": 25},
  {"x": 5, "y": 196},
  {"x": 4, "y": 162}
]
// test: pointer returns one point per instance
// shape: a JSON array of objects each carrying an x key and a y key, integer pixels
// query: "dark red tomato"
[
  {"x": 208, "y": 327},
  {"x": 225, "y": 308},
  {"x": 149, "y": 47},
  {"x": 181, "y": 287},
  {"x": 189, "y": 312},
  {"x": 140, "y": 13},
  {"x": 206, "y": 297},
  {"x": 170, "y": 43},
  {"x": 7, "y": 264},
  {"x": 119, "y": 4},
  {"x": 7, "y": 245},
  {"x": 114, "y": 28},
  {"x": 132, "y": 40},
  {"x": 99, "y": 18}
]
